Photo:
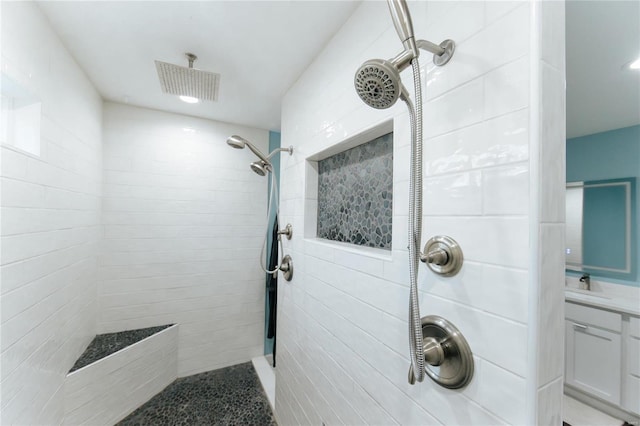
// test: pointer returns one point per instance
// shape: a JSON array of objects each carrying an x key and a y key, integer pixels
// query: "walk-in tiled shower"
[{"x": 130, "y": 216}]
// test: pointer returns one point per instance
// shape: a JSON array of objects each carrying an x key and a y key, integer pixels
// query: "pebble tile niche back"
[{"x": 355, "y": 194}]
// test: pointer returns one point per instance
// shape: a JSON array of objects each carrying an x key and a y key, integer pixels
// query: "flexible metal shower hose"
[{"x": 415, "y": 227}]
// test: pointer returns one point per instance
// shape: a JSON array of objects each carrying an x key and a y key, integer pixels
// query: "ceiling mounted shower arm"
[{"x": 191, "y": 58}]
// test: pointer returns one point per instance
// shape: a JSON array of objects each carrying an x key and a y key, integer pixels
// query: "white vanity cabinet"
[
  {"x": 631, "y": 393},
  {"x": 593, "y": 351}
]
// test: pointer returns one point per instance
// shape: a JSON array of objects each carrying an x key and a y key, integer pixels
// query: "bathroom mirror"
[{"x": 600, "y": 230}]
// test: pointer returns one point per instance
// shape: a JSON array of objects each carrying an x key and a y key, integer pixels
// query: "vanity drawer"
[
  {"x": 634, "y": 327},
  {"x": 593, "y": 316}
]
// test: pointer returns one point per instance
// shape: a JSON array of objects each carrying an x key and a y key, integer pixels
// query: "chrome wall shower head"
[
  {"x": 261, "y": 167},
  {"x": 236, "y": 141},
  {"x": 378, "y": 83},
  {"x": 239, "y": 142}
]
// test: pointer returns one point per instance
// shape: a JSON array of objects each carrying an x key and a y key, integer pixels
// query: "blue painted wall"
[
  {"x": 609, "y": 155},
  {"x": 274, "y": 143}
]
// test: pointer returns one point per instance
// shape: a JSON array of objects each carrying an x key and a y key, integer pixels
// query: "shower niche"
[
  {"x": 21, "y": 113},
  {"x": 353, "y": 190}
]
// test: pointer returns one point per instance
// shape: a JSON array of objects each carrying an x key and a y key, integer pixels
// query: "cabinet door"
[
  {"x": 631, "y": 396},
  {"x": 592, "y": 360}
]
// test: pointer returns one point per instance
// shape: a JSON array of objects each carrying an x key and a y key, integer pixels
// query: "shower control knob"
[
  {"x": 443, "y": 255},
  {"x": 287, "y": 231},
  {"x": 433, "y": 351},
  {"x": 287, "y": 268},
  {"x": 446, "y": 349}
]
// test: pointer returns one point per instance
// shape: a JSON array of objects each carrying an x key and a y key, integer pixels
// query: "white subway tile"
[
  {"x": 456, "y": 20},
  {"x": 505, "y": 190},
  {"x": 498, "y": 141},
  {"x": 14, "y": 163},
  {"x": 495, "y": 240},
  {"x": 496, "y": 9},
  {"x": 500, "y": 291},
  {"x": 549, "y": 404},
  {"x": 500, "y": 392},
  {"x": 506, "y": 89},
  {"x": 550, "y": 303},
  {"x": 455, "y": 109},
  {"x": 552, "y": 147},
  {"x": 453, "y": 195},
  {"x": 17, "y": 193},
  {"x": 484, "y": 332},
  {"x": 184, "y": 228},
  {"x": 552, "y": 36}
]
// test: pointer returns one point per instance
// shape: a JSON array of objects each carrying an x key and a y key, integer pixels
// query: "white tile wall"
[
  {"x": 548, "y": 104},
  {"x": 50, "y": 223},
  {"x": 184, "y": 218},
  {"x": 342, "y": 345},
  {"x": 106, "y": 391}
]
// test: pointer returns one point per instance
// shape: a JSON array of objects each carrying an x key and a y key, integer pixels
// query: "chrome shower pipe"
[
  {"x": 263, "y": 167},
  {"x": 442, "y": 53},
  {"x": 430, "y": 47},
  {"x": 275, "y": 151},
  {"x": 403, "y": 59}
]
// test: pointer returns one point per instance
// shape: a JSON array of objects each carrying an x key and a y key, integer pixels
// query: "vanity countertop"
[{"x": 599, "y": 300}]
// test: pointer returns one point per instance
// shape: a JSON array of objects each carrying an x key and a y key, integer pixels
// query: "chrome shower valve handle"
[
  {"x": 443, "y": 255},
  {"x": 287, "y": 231},
  {"x": 446, "y": 348},
  {"x": 287, "y": 268}
]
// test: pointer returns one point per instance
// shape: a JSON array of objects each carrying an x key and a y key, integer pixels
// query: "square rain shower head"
[{"x": 183, "y": 81}]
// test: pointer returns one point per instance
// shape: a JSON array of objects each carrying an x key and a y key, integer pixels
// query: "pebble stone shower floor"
[{"x": 229, "y": 396}]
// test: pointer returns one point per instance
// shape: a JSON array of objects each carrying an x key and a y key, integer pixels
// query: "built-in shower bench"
[{"x": 118, "y": 372}]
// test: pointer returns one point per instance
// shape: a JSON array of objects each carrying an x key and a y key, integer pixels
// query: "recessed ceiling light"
[
  {"x": 635, "y": 65},
  {"x": 189, "y": 99}
]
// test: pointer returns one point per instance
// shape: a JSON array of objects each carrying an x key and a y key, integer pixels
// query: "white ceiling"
[
  {"x": 601, "y": 38},
  {"x": 261, "y": 47}
]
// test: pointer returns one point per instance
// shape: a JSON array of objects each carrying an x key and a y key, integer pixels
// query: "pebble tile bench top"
[
  {"x": 104, "y": 345},
  {"x": 228, "y": 396}
]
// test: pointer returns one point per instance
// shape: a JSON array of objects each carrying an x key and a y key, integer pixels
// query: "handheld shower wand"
[
  {"x": 379, "y": 85},
  {"x": 404, "y": 27},
  {"x": 378, "y": 81},
  {"x": 239, "y": 142}
]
